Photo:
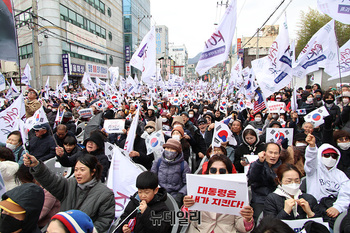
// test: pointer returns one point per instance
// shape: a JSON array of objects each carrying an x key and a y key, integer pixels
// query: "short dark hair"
[
  {"x": 70, "y": 140},
  {"x": 273, "y": 143},
  {"x": 210, "y": 149},
  {"x": 340, "y": 134},
  {"x": 222, "y": 158},
  {"x": 23, "y": 175},
  {"x": 284, "y": 168},
  {"x": 270, "y": 224},
  {"x": 92, "y": 163},
  {"x": 17, "y": 133},
  {"x": 147, "y": 180},
  {"x": 328, "y": 94},
  {"x": 7, "y": 154}
]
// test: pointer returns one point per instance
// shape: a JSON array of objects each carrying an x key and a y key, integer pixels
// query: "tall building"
[
  {"x": 73, "y": 37},
  {"x": 162, "y": 41},
  {"x": 179, "y": 54},
  {"x": 137, "y": 22}
]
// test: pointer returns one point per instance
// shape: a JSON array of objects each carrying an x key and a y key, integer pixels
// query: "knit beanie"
[
  {"x": 173, "y": 144},
  {"x": 180, "y": 129},
  {"x": 76, "y": 221}
]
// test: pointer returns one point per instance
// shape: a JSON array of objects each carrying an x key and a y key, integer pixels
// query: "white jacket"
[
  {"x": 8, "y": 170},
  {"x": 321, "y": 182}
]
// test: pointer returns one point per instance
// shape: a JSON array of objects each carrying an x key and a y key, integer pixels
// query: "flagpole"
[
  {"x": 19, "y": 60},
  {"x": 335, "y": 31}
]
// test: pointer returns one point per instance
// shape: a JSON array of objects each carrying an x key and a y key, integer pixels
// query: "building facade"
[
  {"x": 73, "y": 37},
  {"x": 179, "y": 54},
  {"x": 162, "y": 41}
]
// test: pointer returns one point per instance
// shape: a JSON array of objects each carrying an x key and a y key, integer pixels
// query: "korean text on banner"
[
  {"x": 226, "y": 194},
  {"x": 114, "y": 126},
  {"x": 276, "y": 107}
]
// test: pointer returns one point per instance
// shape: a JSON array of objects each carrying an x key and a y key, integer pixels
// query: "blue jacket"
[
  {"x": 43, "y": 148},
  {"x": 170, "y": 176}
]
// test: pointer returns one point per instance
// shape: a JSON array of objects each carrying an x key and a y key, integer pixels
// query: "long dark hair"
[
  {"x": 92, "y": 163},
  {"x": 222, "y": 158}
]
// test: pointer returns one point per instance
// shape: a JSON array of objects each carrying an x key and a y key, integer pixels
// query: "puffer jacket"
[
  {"x": 218, "y": 223},
  {"x": 170, "y": 175},
  {"x": 42, "y": 148},
  {"x": 96, "y": 200},
  {"x": 8, "y": 170}
]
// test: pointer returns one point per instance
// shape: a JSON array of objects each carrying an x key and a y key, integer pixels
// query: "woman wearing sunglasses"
[
  {"x": 216, "y": 222},
  {"x": 329, "y": 185}
]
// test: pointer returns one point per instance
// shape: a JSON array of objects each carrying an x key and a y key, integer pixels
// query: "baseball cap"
[{"x": 12, "y": 207}]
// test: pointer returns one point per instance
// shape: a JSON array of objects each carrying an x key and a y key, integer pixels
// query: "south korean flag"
[
  {"x": 154, "y": 142},
  {"x": 316, "y": 116}
]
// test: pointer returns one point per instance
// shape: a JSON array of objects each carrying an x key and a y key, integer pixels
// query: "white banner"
[
  {"x": 86, "y": 113},
  {"x": 144, "y": 58},
  {"x": 226, "y": 194},
  {"x": 297, "y": 225},
  {"x": 276, "y": 107},
  {"x": 114, "y": 125},
  {"x": 8, "y": 118},
  {"x": 122, "y": 180},
  {"x": 129, "y": 142},
  {"x": 337, "y": 9},
  {"x": 278, "y": 134},
  {"x": 344, "y": 62},
  {"x": 316, "y": 116},
  {"x": 218, "y": 46}
]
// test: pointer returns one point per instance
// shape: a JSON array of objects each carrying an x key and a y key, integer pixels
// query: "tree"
[{"x": 311, "y": 22}]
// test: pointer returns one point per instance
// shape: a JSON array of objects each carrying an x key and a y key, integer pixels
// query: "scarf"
[
  {"x": 88, "y": 184},
  {"x": 280, "y": 191}
]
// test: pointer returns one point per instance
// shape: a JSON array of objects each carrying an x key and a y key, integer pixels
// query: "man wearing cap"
[
  {"x": 32, "y": 104},
  {"x": 68, "y": 122},
  {"x": 329, "y": 185},
  {"x": 42, "y": 146},
  {"x": 21, "y": 208}
]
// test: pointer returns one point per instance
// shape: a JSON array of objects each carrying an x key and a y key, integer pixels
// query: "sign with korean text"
[
  {"x": 114, "y": 126},
  {"x": 276, "y": 107},
  {"x": 66, "y": 63},
  {"x": 86, "y": 113},
  {"x": 226, "y": 194},
  {"x": 77, "y": 69},
  {"x": 95, "y": 70}
]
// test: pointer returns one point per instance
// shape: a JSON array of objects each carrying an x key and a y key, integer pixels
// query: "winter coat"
[
  {"x": 96, "y": 200},
  {"x": 42, "y": 148},
  {"x": 334, "y": 112},
  {"x": 99, "y": 154},
  {"x": 218, "y": 223},
  {"x": 261, "y": 177},
  {"x": 8, "y": 170},
  {"x": 246, "y": 149},
  {"x": 321, "y": 182},
  {"x": 31, "y": 198},
  {"x": 31, "y": 107},
  {"x": 171, "y": 176},
  {"x": 140, "y": 146},
  {"x": 18, "y": 153},
  {"x": 143, "y": 221},
  {"x": 50, "y": 208},
  {"x": 274, "y": 206},
  {"x": 71, "y": 126},
  {"x": 60, "y": 141}
]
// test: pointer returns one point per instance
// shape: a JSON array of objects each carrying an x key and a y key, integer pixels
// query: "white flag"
[
  {"x": 337, "y": 9},
  {"x": 47, "y": 87},
  {"x": 9, "y": 117},
  {"x": 344, "y": 63},
  {"x": 64, "y": 82},
  {"x": 129, "y": 142},
  {"x": 236, "y": 72},
  {"x": 2, "y": 82},
  {"x": 222, "y": 133},
  {"x": 122, "y": 180},
  {"x": 114, "y": 71},
  {"x": 144, "y": 58},
  {"x": 26, "y": 77},
  {"x": 274, "y": 71},
  {"x": 320, "y": 51},
  {"x": 38, "y": 118},
  {"x": 12, "y": 91},
  {"x": 316, "y": 116},
  {"x": 217, "y": 47}
]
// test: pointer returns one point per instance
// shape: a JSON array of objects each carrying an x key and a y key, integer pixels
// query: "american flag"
[{"x": 259, "y": 104}]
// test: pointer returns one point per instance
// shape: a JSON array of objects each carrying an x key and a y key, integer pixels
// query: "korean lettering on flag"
[
  {"x": 337, "y": 9},
  {"x": 154, "y": 142},
  {"x": 320, "y": 51},
  {"x": 316, "y": 116},
  {"x": 344, "y": 62},
  {"x": 217, "y": 47}
]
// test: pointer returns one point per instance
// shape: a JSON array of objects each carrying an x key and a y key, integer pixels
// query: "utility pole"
[
  {"x": 257, "y": 44},
  {"x": 36, "y": 52}
]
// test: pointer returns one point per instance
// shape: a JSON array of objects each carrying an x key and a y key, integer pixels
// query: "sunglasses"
[
  {"x": 334, "y": 156},
  {"x": 213, "y": 170}
]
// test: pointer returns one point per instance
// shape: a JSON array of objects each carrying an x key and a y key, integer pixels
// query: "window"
[
  {"x": 97, "y": 4},
  {"x": 103, "y": 33},
  {"x": 92, "y": 27},
  {"x": 111, "y": 60},
  {"x": 80, "y": 20},
  {"x": 64, "y": 10},
  {"x": 72, "y": 16},
  {"x": 26, "y": 51},
  {"x": 110, "y": 35},
  {"x": 102, "y": 7},
  {"x": 98, "y": 30},
  {"x": 109, "y": 12}
]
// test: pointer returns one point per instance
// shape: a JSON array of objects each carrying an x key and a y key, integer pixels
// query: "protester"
[
  {"x": 71, "y": 221},
  {"x": 8, "y": 168},
  {"x": 32, "y": 104},
  {"x": 14, "y": 143}
]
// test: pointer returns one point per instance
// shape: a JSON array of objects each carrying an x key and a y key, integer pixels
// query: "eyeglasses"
[
  {"x": 213, "y": 170},
  {"x": 334, "y": 156}
]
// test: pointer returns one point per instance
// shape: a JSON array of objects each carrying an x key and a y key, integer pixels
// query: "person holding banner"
[
  {"x": 287, "y": 201},
  {"x": 84, "y": 192},
  {"x": 216, "y": 222}
]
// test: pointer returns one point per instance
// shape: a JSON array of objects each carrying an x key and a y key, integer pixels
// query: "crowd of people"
[{"x": 303, "y": 179}]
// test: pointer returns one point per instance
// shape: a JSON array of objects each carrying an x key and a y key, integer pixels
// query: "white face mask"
[
  {"x": 164, "y": 120},
  {"x": 344, "y": 145},
  {"x": 329, "y": 162},
  {"x": 299, "y": 144},
  {"x": 257, "y": 119},
  {"x": 149, "y": 130},
  {"x": 176, "y": 137},
  {"x": 310, "y": 99},
  {"x": 11, "y": 146},
  {"x": 291, "y": 189},
  {"x": 190, "y": 115},
  {"x": 345, "y": 100}
]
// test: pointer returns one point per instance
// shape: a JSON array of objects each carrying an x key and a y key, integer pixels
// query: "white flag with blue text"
[
  {"x": 344, "y": 63},
  {"x": 337, "y": 9}
]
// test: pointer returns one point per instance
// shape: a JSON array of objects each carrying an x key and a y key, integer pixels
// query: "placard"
[
  {"x": 297, "y": 225},
  {"x": 251, "y": 159},
  {"x": 86, "y": 113},
  {"x": 226, "y": 194},
  {"x": 114, "y": 126},
  {"x": 278, "y": 134},
  {"x": 276, "y": 107}
]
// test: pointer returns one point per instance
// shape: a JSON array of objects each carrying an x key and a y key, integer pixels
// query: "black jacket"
[
  {"x": 42, "y": 148},
  {"x": 31, "y": 198},
  {"x": 143, "y": 221},
  {"x": 261, "y": 177},
  {"x": 274, "y": 206}
]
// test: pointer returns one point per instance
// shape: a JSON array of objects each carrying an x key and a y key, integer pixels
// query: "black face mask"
[
  {"x": 9, "y": 224},
  {"x": 329, "y": 101}
]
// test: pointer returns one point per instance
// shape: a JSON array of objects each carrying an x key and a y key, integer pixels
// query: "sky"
[{"x": 191, "y": 22}]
